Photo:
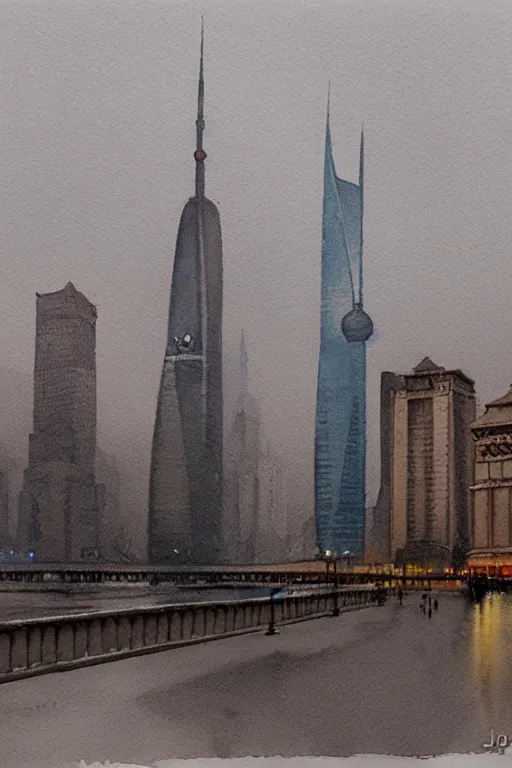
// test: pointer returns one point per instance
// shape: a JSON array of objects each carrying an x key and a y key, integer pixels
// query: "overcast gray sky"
[{"x": 97, "y": 108}]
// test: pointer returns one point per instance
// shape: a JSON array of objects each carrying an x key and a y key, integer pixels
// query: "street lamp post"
[
  {"x": 331, "y": 556},
  {"x": 327, "y": 558},
  {"x": 335, "y": 610}
]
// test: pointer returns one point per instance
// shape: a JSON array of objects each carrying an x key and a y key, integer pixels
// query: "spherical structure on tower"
[{"x": 357, "y": 325}]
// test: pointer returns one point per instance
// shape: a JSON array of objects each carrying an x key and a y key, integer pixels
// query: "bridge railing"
[
  {"x": 56, "y": 576},
  {"x": 38, "y": 646}
]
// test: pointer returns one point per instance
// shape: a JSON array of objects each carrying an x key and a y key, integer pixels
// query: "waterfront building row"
[{"x": 446, "y": 476}]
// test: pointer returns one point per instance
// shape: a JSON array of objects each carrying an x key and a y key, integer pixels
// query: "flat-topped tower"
[
  {"x": 58, "y": 517},
  {"x": 432, "y": 466}
]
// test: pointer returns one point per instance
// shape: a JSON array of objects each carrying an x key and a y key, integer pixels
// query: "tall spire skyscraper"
[
  {"x": 185, "y": 497},
  {"x": 340, "y": 442}
]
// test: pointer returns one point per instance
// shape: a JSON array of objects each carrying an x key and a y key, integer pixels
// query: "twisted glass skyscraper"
[{"x": 340, "y": 441}]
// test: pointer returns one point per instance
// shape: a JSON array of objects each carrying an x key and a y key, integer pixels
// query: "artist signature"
[{"x": 499, "y": 741}]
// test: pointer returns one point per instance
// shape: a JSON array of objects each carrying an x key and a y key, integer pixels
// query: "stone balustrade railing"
[{"x": 37, "y": 646}]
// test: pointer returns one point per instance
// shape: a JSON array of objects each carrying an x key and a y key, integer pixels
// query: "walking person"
[{"x": 436, "y": 604}]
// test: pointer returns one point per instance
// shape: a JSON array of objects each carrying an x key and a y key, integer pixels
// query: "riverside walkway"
[{"x": 381, "y": 680}]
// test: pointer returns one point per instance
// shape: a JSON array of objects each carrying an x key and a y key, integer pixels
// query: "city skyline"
[{"x": 96, "y": 164}]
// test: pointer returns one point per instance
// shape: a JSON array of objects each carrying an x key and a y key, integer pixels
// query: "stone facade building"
[
  {"x": 491, "y": 524},
  {"x": 378, "y": 544},
  {"x": 431, "y": 467},
  {"x": 59, "y": 512}
]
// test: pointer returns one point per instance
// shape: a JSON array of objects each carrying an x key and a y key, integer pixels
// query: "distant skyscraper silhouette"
[
  {"x": 185, "y": 497},
  {"x": 108, "y": 485},
  {"x": 340, "y": 445},
  {"x": 242, "y": 490},
  {"x": 59, "y": 517},
  {"x": 255, "y": 505}
]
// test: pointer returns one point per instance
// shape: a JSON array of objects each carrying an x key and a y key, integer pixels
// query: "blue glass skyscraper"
[{"x": 340, "y": 440}]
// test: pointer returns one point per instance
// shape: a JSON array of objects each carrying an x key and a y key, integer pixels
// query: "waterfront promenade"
[{"x": 382, "y": 680}]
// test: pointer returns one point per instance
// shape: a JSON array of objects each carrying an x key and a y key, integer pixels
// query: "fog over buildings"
[{"x": 97, "y": 136}]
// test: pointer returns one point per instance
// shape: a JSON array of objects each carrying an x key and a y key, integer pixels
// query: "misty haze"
[{"x": 98, "y": 104}]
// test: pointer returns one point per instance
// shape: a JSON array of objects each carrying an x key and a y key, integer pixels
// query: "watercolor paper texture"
[
  {"x": 371, "y": 761},
  {"x": 219, "y": 320}
]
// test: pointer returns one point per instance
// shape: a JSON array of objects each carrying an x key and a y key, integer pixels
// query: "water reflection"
[{"x": 490, "y": 651}]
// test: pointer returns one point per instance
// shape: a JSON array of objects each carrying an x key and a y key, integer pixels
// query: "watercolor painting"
[{"x": 256, "y": 423}]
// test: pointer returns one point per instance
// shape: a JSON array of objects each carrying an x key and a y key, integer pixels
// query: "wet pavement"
[{"x": 383, "y": 680}]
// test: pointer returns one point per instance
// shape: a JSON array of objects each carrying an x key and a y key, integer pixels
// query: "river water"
[{"x": 24, "y": 604}]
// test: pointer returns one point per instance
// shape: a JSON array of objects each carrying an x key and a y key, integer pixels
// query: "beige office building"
[
  {"x": 432, "y": 467},
  {"x": 491, "y": 525}
]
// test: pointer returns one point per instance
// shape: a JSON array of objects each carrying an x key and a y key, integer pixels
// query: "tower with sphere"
[{"x": 340, "y": 439}]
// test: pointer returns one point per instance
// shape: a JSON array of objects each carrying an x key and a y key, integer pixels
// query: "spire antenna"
[
  {"x": 361, "y": 194},
  {"x": 200, "y": 154}
]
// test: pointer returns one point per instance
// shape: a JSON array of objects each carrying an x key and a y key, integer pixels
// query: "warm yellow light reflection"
[{"x": 486, "y": 646}]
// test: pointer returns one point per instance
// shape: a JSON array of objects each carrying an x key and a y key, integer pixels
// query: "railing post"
[
  {"x": 335, "y": 608},
  {"x": 271, "y": 629}
]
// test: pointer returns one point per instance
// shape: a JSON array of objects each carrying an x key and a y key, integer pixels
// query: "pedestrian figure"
[
  {"x": 400, "y": 595},
  {"x": 436, "y": 604},
  {"x": 429, "y": 604},
  {"x": 429, "y": 612}
]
